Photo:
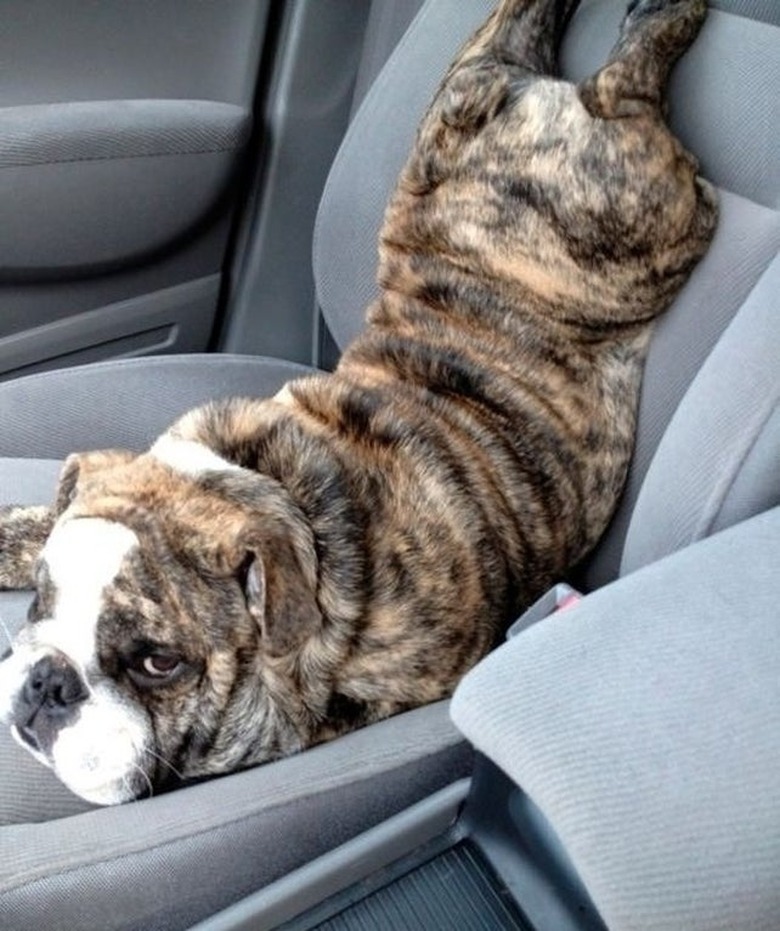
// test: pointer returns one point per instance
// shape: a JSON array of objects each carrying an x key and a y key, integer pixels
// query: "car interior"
[{"x": 191, "y": 195}]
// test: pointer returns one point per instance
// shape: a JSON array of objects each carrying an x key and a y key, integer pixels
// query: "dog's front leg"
[{"x": 23, "y": 533}]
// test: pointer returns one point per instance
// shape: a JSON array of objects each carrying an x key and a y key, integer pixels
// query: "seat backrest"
[{"x": 725, "y": 96}]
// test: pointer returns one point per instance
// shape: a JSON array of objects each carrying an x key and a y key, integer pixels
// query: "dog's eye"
[
  {"x": 160, "y": 664},
  {"x": 154, "y": 668}
]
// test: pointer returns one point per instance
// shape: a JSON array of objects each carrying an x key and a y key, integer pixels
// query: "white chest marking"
[{"x": 189, "y": 457}]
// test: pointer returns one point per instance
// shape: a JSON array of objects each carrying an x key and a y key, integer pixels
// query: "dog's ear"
[
  {"x": 280, "y": 595},
  {"x": 79, "y": 467}
]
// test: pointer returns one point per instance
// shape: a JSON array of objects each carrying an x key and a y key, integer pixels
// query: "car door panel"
[
  {"x": 147, "y": 324},
  {"x": 62, "y": 50},
  {"x": 122, "y": 129},
  {"x": 90, "y": 186}
]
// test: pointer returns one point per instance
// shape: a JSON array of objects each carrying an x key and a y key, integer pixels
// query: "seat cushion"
[
  {"x": 124, "y": 403},
  {"x": 169, "y": 861}
]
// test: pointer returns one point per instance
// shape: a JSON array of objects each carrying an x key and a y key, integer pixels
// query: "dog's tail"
[{"x": 23, "y": 532}]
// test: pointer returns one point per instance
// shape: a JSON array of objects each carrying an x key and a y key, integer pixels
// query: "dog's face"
[{"x": 152, "y": 642}]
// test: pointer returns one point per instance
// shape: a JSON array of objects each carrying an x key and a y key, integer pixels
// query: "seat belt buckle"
[{"x": 560, "y": 597}]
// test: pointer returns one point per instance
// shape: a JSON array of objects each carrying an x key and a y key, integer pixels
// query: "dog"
[{"x": 273, "y": 573}]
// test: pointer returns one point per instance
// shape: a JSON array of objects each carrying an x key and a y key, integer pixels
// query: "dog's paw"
[
  {"x": 678, "y": 18},
  {"x": 648, "y": 7}
]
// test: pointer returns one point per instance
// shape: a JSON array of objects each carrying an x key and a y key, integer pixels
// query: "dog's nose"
[
  {"x": 53, "y": 684},
  {"x": 52, "y": 689}
]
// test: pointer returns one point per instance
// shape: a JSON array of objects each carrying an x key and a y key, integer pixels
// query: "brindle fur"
[
  {"x": 393, "y": 516},
  {"x": 23, "y": 531}
]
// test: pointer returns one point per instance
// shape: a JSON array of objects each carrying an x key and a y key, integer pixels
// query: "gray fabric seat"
[
  {"x": 645, "y": 724},
  {"x": 168, "y": 861}
]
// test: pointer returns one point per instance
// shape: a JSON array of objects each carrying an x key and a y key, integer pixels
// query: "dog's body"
[{"x": 273, "y": 573}]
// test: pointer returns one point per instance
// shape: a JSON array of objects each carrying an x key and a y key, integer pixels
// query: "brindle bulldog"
[{"x": 273, "y": 573}]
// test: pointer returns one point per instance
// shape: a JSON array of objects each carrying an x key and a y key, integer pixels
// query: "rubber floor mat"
[{"x": 455, "y": 891}]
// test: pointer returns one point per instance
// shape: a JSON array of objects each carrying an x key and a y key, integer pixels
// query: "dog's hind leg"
[
  {"x": 23, "y": 533},
  {"x": 525, "y": 33},
  {"x": 518, "y": 42},
  {"x": 654, "y": 35}
]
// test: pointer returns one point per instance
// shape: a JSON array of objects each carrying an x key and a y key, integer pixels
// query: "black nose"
[
  {"x": 53, "y": 684},
  {"x": 52, "y": 690}
]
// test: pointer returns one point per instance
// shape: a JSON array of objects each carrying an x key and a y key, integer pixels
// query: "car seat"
[{"x": 559, "y": 708}]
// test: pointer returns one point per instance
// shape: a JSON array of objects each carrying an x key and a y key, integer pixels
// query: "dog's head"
[{"x": 171, "y": 598}]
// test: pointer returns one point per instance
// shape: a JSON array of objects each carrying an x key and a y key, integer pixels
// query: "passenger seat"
[{"x": 645, "y": 722}]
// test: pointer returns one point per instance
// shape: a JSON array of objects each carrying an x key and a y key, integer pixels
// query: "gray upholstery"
[
  {"x": 645, "y": 724},
  {"x": 718, "y": 462},
  {"x": 44, "y": 134},
  {"x": 371, "y": 156},
  {"x": 762, "y": 11},
  {"x": 53, "y": 51},
  {"x": 180, "y": 856},
  {"x": 168, "y": 861},
  {"x": 123, "y": 404},
  {"x": 67, "y": 170},
  {"x": 387, "y": 22},
  {"x": 28, "y": 481}
]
